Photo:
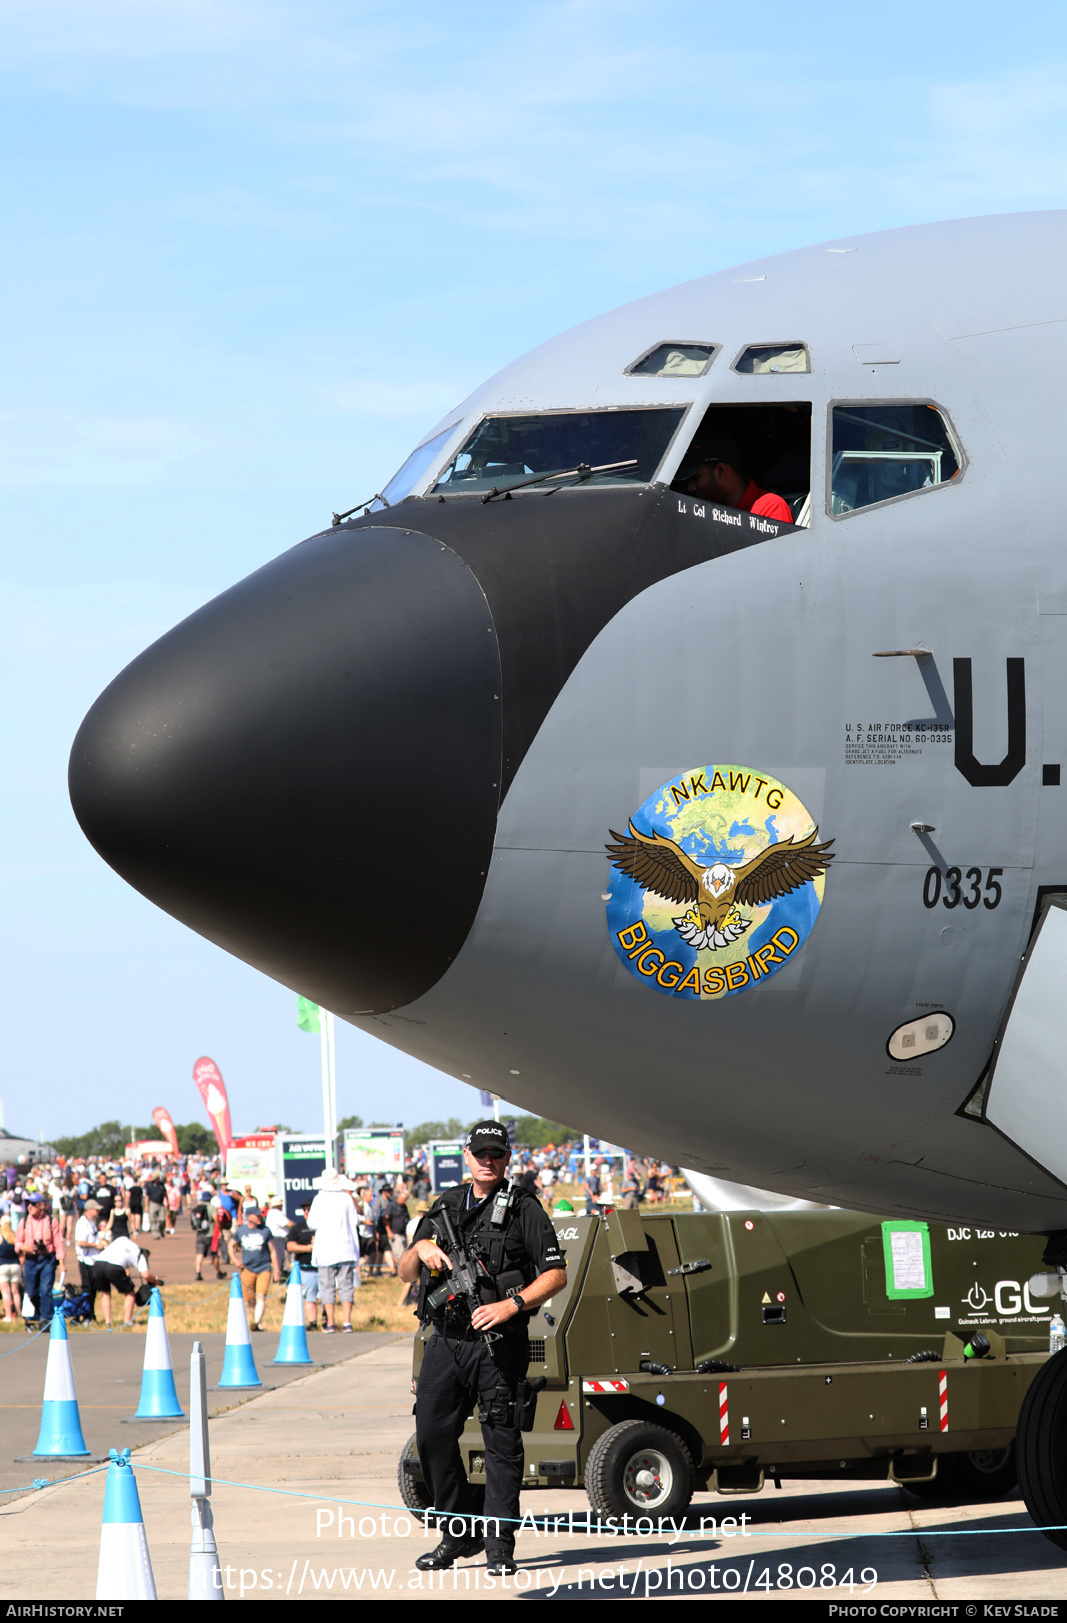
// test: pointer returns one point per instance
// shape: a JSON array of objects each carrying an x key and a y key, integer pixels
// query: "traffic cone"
[
  {"x": 159, "y": 1399},
  {"x": 293, "y": 1342},
  {"x": 125, "y": 1570},
  {"x": 61, "y": 1428},
  {"x": 238, "y": 1366}
]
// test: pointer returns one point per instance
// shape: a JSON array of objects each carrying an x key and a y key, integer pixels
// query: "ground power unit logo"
[{"x": 716, "y": 883}]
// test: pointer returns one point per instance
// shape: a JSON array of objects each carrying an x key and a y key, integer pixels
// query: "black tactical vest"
[{"x": 500, "y": 1248}]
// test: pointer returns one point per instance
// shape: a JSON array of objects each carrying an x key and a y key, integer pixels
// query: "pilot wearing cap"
[
  {"x": 712, "y": 471},
  {"x": 507, "y": 1234}
]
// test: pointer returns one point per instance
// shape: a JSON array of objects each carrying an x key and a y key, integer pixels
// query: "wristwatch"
[{"x": 515, "y": 1294}]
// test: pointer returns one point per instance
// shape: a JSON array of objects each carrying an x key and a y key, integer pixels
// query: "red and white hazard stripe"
[
  {"x": 943, "y": 1389},
  {"x": 605, "y": 1386},
  {"x": 724, "y": 1415}
]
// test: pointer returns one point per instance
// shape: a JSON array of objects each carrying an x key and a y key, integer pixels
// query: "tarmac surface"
[
  {"x": 107, "y": 1378},
  {"x": 335, "y": 1434}
]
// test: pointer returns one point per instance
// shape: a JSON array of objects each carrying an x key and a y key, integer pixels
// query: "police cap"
[{"x": 488, "y": 1135}]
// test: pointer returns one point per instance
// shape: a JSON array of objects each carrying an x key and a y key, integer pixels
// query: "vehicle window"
[
  {"x": 773, "y": 358},
  {"x": 675, "y": 361},
  {"x": 502, "y": 449},
  {"x": 889, "y": 450},
  {"x": 771, "y": 444},
  {"x": 407, "y": 477}
]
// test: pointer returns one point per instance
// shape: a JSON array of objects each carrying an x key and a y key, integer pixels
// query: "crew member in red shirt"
[{"x": 712, "y": 471}]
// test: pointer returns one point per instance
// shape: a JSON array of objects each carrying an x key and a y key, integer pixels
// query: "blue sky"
[{"x": 253, "y": 250}]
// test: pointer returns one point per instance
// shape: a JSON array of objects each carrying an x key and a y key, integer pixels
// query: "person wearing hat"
[
  {"x": 87, "y": 1245},
  {"x": 250, "y": 1251},
  {"x": 278, "y": 1225},
  {"x": 334, "y": 1221},
  {"x": 39, "y": 1242},
  {"x": 523, "y": 1266},
  {"x": 712, "y": 471}
]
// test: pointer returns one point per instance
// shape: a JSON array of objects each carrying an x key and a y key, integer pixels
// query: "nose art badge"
[{"x": 717, "y": 882}]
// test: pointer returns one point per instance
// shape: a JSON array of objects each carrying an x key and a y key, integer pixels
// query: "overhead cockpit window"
[
  {"x": 591, "y": 447},
  {"x": 773, "y": 358},
  {"x": 881, "y": 452},
  {"x": 674, "y": 361}
]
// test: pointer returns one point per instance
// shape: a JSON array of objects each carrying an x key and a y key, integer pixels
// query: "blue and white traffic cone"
[
  {"x": 293, "y": 1341},
  {"x": 125, "y": 1570},
  {"x": 159, "y": 1398},
  {"x": 61, "y": 1428},
  {"x": 238, "y": 1366}
]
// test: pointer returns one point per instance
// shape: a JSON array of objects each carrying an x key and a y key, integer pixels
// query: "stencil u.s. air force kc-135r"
[{"x": 552, "y": 621}]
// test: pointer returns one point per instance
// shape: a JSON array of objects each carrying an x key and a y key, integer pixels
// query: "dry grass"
[
  {"x": 202, "y": 1308},
  {"x": 199, "y": 1309}
]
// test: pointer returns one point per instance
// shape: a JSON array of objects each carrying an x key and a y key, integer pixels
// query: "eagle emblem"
[
  {"x": 718, "y": 880},
  {"x": 717, "y": 894}
]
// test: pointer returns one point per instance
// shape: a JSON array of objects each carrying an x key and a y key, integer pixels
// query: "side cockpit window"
[
  {"x": 885, "y": 451},
  {"x": 757, "y": 458}
]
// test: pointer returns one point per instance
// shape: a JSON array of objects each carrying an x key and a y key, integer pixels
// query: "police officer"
[{"x": 521, "y": 1266}]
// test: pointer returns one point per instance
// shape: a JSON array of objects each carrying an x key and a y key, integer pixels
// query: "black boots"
[{"x": 448, "y": 1552}]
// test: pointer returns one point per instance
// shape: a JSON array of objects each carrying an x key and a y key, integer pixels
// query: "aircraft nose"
[{"x": 306, "y": 770}]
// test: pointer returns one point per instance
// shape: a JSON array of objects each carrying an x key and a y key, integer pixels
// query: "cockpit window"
[
  {"x": 407, "y": 477},
  {"x": 506, "y": 449},
  {"x": 884, "y": 451},
  {"x": 773, "y": 358},
  {"x": 674, "y": 361}
]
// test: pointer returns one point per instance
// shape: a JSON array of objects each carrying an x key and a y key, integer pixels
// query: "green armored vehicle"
[{"x": 719, "y": 1350}]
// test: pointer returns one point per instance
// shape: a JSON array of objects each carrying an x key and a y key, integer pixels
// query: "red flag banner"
[
  {"x": 162, "y": 1120},
  {"x": 208, "y": 1079}
]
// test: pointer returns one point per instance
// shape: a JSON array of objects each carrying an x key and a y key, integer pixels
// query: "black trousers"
[
  {"x": 454, "y": 1375},
  {"x": 88, "y": 1284}
]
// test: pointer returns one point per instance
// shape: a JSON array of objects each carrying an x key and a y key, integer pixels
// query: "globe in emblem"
[{"x": 716, "y": 883}]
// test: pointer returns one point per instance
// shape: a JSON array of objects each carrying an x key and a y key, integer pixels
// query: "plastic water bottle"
[{"x": 1057, "y": 1334}]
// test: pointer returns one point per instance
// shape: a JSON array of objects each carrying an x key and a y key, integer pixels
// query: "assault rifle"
[{"x": 463, "y": 1281}]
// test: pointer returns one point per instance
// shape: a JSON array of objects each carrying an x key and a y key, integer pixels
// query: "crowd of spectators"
[{"x": 72, "y": 1232}]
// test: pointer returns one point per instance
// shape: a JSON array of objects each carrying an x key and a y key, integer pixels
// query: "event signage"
[
  {"x": 212, "y": 1089},
  {"x": 252, "y": 1167},
  {"x": 161, "y": 1117},
  {"x": 446, "y": 1163},
  {"x": 147, "y": 1146},
  {"x": 300, "y": 1160},
  {"x": 374, "y": 1150}
]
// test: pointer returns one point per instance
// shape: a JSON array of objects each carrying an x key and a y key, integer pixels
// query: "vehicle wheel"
[
  {"x": 638, "y": 1469},
  {"x": 413, "y": 1490},
  {"x": 1041, "y": 1448},
  {"x": 988, "y": 1473}
]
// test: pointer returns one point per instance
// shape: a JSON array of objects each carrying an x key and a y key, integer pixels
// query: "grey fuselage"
[{"x": 640, "y": 633}]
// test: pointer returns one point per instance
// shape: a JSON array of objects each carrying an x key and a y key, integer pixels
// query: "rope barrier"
[
  {"x": 30, "y": 1339},
  {"x": 586, "y": 1519},
  {"x": 583, "y": 1522},
  {"x": 54, "y": 1482}
]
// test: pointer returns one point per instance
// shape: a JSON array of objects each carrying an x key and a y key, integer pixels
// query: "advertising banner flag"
[
  {"x": 208, "y": 1079},
  {"x": 161, "y": 1117}
]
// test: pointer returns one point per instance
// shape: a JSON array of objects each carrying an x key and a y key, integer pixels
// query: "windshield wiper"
[
  {"x": 583, "y": 471},
  {"x": 377, "y": 497}
]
